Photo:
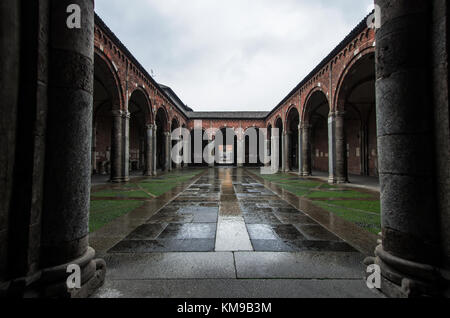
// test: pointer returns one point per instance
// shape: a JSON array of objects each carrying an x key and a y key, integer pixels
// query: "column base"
[
  {"x": 340, "y": 181},
  {"x": 52, "y": 282},
  {"x": 402, "y": 278},
  {"x": 305, "y": 174}
]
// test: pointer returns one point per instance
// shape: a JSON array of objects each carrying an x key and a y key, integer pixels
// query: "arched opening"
[
  {"x": 198, "y": 145},
  {"x": 226, "y": 149},
  {"x": 161, "y": 122},
  {"x": 138, "y": 107},
  {"x": 175, "y": 125},
  {"x": 279, "y": 126},
  {"x": 106, "y": 100},
  {"x": 316, "y": 117},
  {"x": 293, "y": 120},
  {"x": 252, "y": 147},
  {"x": 357, "y": 99}
]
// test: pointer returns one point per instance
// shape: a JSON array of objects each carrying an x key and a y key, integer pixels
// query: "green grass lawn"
[
  {"x": 365, "y": 213},
  {"x": 105, "y": 211},
  {"x": 369, "y": 221},
  {"x": 344, "y": 194}
]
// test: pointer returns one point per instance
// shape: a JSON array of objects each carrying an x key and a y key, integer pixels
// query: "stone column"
[
  {"x": 287, "y": 151},
  {"x": 341, "y": 175},
  {"x": 65, "y": 229},
  {"x": 116, "y": 146},
  {"x": 149, "y": 151},
  {"x": 331, "y": 148},
  {"x": 154, "y": 148},
  {"x": 299, "y": 155},
  {"x": 94, "y": 150},
  {"x": 409, "y": 256},
  {"x": 126, "y": 146},
  {"x": 168, "y": 148},
  {"x": 306, "y": 150},
  {"x": 283, "y": 150}
]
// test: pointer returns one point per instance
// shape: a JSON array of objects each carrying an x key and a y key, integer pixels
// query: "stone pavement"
[{"x": 226, "y": 235}]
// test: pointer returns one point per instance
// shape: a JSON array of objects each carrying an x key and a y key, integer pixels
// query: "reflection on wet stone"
[{"x": 226, "y": 210}]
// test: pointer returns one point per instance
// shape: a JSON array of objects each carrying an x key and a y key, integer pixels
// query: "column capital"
[
  {"x": 337, "y": 113},
  {"x": 150, "y": 126},
  {"x": 116, "y": 113},
  {"x": 305, "y": 126},
  {"x": 126, "y": 114}
]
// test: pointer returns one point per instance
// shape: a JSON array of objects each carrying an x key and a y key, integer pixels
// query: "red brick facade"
[{"x": 329, "y": 79}]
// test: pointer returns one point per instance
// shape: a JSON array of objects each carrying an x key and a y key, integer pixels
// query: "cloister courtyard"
[
  {"x": 237, "y": 234},
  {"x": 341, "y": 189}
]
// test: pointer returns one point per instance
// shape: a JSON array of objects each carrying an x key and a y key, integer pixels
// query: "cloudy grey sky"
[{"x": 231, "y": 55}]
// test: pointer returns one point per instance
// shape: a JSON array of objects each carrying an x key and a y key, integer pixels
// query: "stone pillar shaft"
[
  {"x": 67, "y": 183},
  {"x": 283, "y": 151},
  {"x": 409, "y": 253},
  {"x": 287, "y": 152},
  {"x": 340, "y": 154},
  {"x": 299, "y": 150},
  {"x": 154, "y": 148},
  {"x": 306, "y": 151},
  {"x": 116, "y": 146},
  {"x": 168, "y": 148},
  {"x": 149, "y": 151},
  {"x": 126, "y": 147}
]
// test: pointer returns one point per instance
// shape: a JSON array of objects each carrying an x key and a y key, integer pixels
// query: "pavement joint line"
[{"x": 276, "y": 189}]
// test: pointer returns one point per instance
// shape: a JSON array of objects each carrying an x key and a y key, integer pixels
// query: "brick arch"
[
  {"x": 277, "y": 119},
  {"x": 305, "y": 110},
  {"x": 164, "y": 111},
  {"x": 339, "y": 92},
  {"x": 289, "y": 110},
  {"x": 115, "y": 76},
  {"x": 149, "y": 109}
]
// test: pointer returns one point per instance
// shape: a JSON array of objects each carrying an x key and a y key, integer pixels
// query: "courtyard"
[{"x": 235, "y": 234}]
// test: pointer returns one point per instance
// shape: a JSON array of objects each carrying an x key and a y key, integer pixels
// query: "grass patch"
[
  {"x": 362, "y": 213},
  {"x": 345, "y": 194},
  {"x": 158, "y": 187},
  {"x": 121, "y": 194},
  {"x": 369, "y": 206},
  {"x": 370, "y": 222},
  {"x": 104, "y": 212}
]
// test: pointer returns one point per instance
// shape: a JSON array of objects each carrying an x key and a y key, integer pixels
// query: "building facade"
[{"x": 377, "y": 105}]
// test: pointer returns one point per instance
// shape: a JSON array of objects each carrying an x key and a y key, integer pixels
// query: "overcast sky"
[{"x": 229, "y": 55}]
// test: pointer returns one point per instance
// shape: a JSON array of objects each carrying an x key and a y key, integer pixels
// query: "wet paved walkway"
[{"x": 226, "y": 235}]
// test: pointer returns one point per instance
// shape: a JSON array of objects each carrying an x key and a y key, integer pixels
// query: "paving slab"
[
  {"x": 170, "y": 266},
  {"x": 305, "y": 265},
  {"x": 235, "y": 288}
]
